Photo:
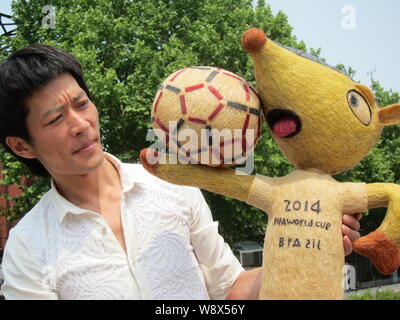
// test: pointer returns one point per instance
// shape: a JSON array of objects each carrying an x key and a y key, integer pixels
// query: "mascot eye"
[
  {"x": 353, "y": 100},
  {"x": 359, "y": 106}
]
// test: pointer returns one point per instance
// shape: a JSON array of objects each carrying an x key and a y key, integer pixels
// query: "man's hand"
[{"x": 350, "y": 228}]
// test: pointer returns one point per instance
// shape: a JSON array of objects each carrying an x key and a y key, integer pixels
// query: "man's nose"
[{"x": 79, "y": 123}]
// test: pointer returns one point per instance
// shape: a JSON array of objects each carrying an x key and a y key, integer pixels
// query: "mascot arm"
[
  {"x": 223, "y": 181},
  {"x": 382, "y": 246}
]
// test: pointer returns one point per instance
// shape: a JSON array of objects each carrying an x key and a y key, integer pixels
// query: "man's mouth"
[
  {"x": 85, "y": 146},
  {"x": 284, "y": 123}
]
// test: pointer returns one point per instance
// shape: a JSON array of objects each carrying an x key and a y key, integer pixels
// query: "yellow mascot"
[{"x": 325, "y": 124}]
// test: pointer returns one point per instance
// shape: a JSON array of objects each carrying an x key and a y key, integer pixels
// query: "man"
[{"x": 105, "y": 229}]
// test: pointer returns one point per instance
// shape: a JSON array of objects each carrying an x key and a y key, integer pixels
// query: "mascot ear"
[{"x": 390, "y": 115}]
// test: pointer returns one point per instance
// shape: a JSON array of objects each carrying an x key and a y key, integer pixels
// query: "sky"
[
  {"x": 363, "y": 34},
  {"x": 5, "y": 6}
]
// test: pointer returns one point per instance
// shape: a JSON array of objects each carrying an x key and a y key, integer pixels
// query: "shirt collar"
[{"x": 63, "y": 206}]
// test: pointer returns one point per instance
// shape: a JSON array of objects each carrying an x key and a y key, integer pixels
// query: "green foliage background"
[
  {"x": 379, "y": 295},
  {"x": 127, "y": 48}
]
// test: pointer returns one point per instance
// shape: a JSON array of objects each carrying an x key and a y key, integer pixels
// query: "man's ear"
[
  {"x": 21, "y": 148},
  {"x": 390, "y": 115}
]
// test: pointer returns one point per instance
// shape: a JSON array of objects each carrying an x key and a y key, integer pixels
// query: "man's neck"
[{"x": 91, "y": 190}]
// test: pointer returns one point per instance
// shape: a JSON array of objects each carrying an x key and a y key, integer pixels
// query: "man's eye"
[
  {"x": 83, "y": 104},
  {"x": 55, "y": 119}
]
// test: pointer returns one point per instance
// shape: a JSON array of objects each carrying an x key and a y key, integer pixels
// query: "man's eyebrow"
[
  {"x": 62, "y": 106},
  {"x": 79, "y": 96},
  {"x": 53, "y": 110}
]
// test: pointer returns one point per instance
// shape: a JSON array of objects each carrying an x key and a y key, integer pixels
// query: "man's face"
[{"x": 64, "y": 127}]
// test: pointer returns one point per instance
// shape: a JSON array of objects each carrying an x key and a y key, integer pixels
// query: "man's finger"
[
  {"x": 352, "y": 234},
  {"x": 348, "y": 247},
  {"x": 351, "y": 222}
]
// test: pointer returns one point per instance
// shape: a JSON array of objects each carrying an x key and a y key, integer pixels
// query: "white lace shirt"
[{"x": 174, "y": 251}]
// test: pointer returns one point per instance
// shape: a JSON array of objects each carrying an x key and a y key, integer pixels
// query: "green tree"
[{"x": 127, "y": 48}]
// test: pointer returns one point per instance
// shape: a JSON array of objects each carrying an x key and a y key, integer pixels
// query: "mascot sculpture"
[{"x": 325, "y": 123}]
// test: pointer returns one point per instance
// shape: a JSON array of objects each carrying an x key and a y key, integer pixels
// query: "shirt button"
[{"x": 104, "y": 230}]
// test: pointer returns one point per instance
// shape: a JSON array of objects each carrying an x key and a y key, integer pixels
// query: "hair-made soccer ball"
[{"x": 207, "y": 115}]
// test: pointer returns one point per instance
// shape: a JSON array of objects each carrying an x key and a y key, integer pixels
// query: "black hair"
[{"x": 25, "y": 71}]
